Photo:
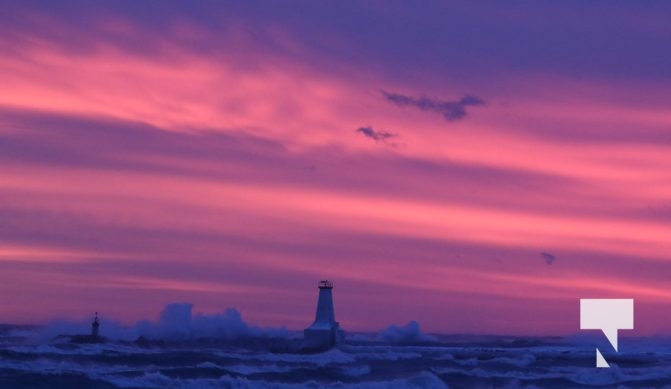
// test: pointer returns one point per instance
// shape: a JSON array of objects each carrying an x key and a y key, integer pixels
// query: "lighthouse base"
[{"x": 322, "y": 336}]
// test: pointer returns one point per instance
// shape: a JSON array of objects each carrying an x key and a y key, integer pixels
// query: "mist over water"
[
  {"x": 176, "y": 322},
  {"x": 408, "y": 333},
  {"x": 186, "y": 350}
]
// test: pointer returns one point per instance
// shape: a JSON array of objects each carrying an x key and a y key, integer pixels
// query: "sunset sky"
[{"x": 477, "y": 167}]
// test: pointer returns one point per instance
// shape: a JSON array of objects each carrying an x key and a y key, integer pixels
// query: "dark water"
[{"x": 454, "y": 362}]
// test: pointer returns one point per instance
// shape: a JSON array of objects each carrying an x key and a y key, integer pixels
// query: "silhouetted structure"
[
  {"x": 94, "y": 337},
  {"x": 325, "y": 332},
  {"x": 95, "y": 327}
]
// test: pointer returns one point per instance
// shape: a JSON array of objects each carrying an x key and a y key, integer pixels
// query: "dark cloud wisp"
[
  {"x": 451, "y": 110},
  {"x": 377, "y": 135},
  {"x": 548, "y": 257}
]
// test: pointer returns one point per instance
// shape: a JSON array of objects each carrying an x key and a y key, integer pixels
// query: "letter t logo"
[{"x": 607, "y": 315}]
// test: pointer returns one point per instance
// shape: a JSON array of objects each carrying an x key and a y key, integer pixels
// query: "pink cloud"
[{"x": 234, "y": 173}]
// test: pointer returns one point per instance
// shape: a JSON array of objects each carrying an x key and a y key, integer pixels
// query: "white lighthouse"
[{"x": 325, "y": 332}]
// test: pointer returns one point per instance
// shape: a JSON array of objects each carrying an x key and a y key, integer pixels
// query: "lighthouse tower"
[
  {"x": 325, "y": 332},
  {"x": 95, "y": 327}
]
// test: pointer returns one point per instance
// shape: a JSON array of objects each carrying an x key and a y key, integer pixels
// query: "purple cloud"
[
  {"x": 548, "y": 257},
  {"x": 451, "y": 110},
  {"x": 377, "y": 135}
]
